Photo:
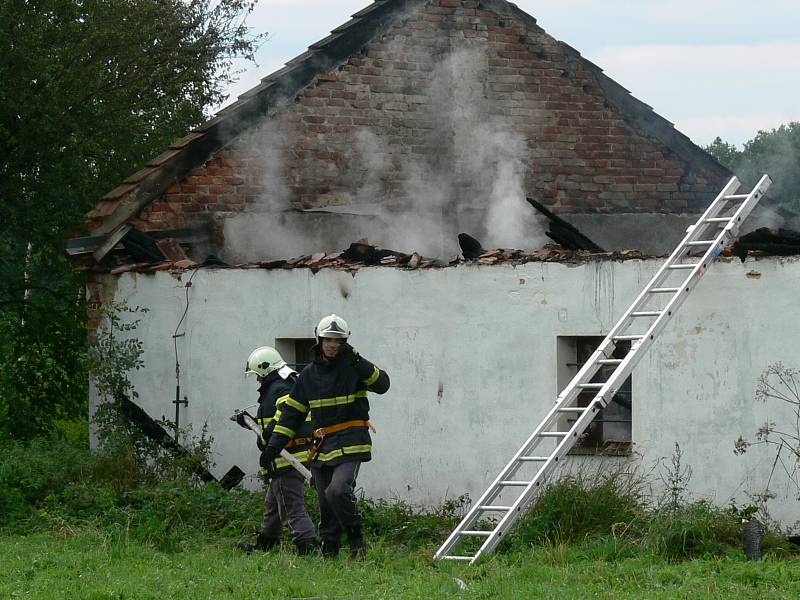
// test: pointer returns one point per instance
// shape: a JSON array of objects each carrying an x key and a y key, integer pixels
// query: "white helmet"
[
  {"x": 263, "y": 361},
  {"x": 332, "y": 326}
]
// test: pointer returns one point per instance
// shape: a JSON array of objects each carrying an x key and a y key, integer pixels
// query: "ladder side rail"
[
  {"x": 632, "y": 359},
  {"x": 509, "y": 470},
  {"x": 571, "y": 391},
  {"x": 589, "y": 369},
  {"x": 732, "y": 228},
  {"x": 716, "y": 205},
  {"x": 691, "y": 234},
  {"x": 629, "y": 362},
  {"x": 521, "y": 503},
  {"x": 619, "y": 374}
]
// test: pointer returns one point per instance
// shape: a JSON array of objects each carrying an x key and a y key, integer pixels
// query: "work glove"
[
  {"x": 348, "y": 354},
  {"x": 240, "y": 419},
  {"x": 267, "y": 461}
]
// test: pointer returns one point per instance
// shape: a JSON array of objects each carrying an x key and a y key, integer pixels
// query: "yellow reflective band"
[
  {"x": 373, "y": 378},
  {"x": 361, "y": 449},
  {"x": 284, "y": 430},
  {"x": 308, "y": 417},
  {"x": 338, "y": 400},
  {"x": 282, "y": 462},
  {"x": 287, "y": 399}
]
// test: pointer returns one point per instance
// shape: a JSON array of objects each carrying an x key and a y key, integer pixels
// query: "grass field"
[
  {"x": 93, "y": 564},
  {"x": 75, "y": 524}
]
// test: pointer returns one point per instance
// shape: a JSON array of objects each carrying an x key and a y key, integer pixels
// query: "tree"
[
  {"x": 91, "y": 90},
  {"x": 776, "y": 152}
]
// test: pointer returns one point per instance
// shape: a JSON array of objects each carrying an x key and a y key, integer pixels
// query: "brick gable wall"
[{"x": 446, "y": 83}]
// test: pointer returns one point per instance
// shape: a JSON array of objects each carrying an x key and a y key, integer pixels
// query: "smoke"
[
  {"x": 460, "y": 169},
  {"x": 266, "y": 229},
  {"x": 374, "y": 162},
  {"x": 267, "y": 164}
]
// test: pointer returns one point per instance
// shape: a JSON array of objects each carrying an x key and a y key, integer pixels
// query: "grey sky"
[{"x": 712, "y": 67}]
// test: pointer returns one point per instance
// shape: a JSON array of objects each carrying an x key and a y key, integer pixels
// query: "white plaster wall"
[{"x": 471, "y": 352}]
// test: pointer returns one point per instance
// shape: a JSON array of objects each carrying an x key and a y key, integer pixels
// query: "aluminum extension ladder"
[{"x": 639, "y": 326}]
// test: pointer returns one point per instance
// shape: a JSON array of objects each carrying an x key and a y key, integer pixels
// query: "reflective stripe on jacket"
[
  {"x": 333, "y": 392},
  {"x": 274, "y": 392}
]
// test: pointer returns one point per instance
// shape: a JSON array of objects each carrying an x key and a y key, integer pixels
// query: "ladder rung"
[{"x": 502, "y": 516}]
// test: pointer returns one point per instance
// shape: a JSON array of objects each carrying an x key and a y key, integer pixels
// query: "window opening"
[
  {"x": 297, "y": 352},
  {"x": 610, "y": 431}
]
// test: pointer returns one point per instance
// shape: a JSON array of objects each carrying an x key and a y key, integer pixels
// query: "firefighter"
[
  {"x": 334, "y": 389},
  {"x": 283, "y": 503}
]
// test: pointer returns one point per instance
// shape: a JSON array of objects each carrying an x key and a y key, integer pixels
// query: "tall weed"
[{"x": 580, "y": 505}]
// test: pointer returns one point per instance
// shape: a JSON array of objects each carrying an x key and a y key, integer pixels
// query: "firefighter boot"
[
  {"x": 306, "y": 547},
  {"x": 262, "y": 542},
  {"x": 358, "y": 545},
  {"x": 330, "y": 548}
]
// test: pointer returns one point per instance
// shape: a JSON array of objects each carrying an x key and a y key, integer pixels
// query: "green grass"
[
  {"x": 93, "y": 564},
  {"x": 70, "y": 527}
]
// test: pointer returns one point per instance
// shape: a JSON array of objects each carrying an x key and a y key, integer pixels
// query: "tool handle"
[
  {"x": 297, "y": 465},
  {"x": 255, "y": 427}
]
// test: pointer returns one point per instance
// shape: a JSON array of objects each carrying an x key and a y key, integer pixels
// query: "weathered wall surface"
[
  {"x": 471, "y": 352},
  {"x": 459, "y": 104}
]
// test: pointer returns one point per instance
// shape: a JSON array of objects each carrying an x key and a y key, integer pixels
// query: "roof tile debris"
[{"x": 362, "y": 254}]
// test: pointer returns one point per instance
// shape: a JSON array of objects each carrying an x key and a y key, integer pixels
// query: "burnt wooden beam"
[
  {"x": 471, "y": 248},
  {"x": 153, "y": 430},
  {"x": 565, "y": 233}
]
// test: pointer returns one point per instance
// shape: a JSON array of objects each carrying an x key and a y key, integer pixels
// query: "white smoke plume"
[{"x": 470, "y": 179}]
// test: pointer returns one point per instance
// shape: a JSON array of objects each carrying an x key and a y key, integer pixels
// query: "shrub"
[
  {"x": 694, "y": 529},
  {"x": 40, "y": 468},
  {"x": 402, "y": 523},
  {"x": 578, "y": 506}
]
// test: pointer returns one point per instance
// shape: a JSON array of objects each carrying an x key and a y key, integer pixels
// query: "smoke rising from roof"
[{"x": 412, "y": 182}]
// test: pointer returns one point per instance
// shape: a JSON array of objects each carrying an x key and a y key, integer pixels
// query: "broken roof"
[{"x": 193, "y": 150}]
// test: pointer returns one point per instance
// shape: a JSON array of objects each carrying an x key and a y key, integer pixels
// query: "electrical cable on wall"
[{"x": 177, "y": 401}]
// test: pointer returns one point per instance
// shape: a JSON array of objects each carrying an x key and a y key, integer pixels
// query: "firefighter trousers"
[
  {"x": 337, "y": 500},
  {"x": 284, "y": 505}
]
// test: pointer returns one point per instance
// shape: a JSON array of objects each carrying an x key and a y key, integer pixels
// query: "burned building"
[
  {"x": 413, "y": 122},
  {"x": 418, "y": 120}
]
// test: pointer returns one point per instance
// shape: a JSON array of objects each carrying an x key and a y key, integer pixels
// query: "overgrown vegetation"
[
  {"x": 99, "y": 88},
  {"x": 52, "y": 486},
  {"x": 126, "y": 454}
]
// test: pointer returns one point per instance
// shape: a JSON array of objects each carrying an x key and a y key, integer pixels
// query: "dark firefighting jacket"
[
  {"x": 335, "y": 393},
  {"x": 273, "y": 392}
]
